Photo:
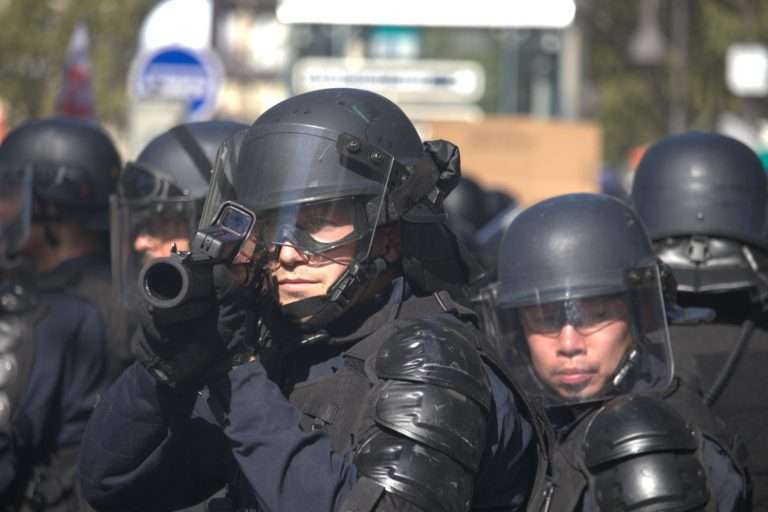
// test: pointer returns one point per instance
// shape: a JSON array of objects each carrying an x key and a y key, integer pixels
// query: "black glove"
[{"x": 198, "y": 340}]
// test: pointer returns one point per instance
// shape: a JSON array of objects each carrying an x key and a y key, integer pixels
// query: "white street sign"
[
  {"x": 431, "y": 13},
  {"x": 407, "y": 81}
]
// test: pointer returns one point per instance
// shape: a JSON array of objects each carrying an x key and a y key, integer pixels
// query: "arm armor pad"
[
  {"x": 641, "y": 455},
  {"x": 433, "y": 404}
]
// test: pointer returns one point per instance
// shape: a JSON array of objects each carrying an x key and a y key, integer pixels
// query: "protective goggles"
[
  {"x": 138, "y": 183},
  {"x": 315, "y": 229},
  {"x": 587, "y": 316}
]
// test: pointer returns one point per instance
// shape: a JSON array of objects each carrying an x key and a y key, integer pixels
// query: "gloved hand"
[{"x": 188, "y": 345}]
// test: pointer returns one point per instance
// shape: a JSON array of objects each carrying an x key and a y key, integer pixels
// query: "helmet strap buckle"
[
  {"x": 698, "y": 249},
  {"x": 342, "y": 295}
]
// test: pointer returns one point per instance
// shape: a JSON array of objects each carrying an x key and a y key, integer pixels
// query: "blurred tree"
[
  {"x": 634, "y": 102},
  {"x": 33, "y": 41}
]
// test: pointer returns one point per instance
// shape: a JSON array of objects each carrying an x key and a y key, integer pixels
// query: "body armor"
[
  {"x": 411, "y": 396},
  {"x": 19, "y": 309}
]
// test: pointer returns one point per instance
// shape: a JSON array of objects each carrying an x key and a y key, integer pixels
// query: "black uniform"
[
  {"x": 252, "y": 441},
  {"x": 740, "y": 404},
  {"x": 89, "y": 278},
  {"x": 702, "y": 197}
]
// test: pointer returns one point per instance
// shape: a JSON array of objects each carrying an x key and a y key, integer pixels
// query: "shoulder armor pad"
[
  {"x": 633, "y": 425},
  {"x": 641, "y": 455},
  {"x": 436, "y": 391},
  {"x": 423, "y": 476},
  {"x": 434, "y": 417},
  {"x": 436, "y": 351}
]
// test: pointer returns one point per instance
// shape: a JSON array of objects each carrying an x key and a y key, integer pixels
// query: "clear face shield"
[
  {"x": 295, "y": 188},
  {"x": 588, "y": 346},
  {"x": 15, "y": 214},
  {"x": 148, "y": 216}
]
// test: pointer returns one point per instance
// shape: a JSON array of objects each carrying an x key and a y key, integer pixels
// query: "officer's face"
[
  {"x": 300, "y": 276},
  {"x": 156, "y": 239},
  {"x": 577, "y": 358},
  {"x": 156, "y": 247}
]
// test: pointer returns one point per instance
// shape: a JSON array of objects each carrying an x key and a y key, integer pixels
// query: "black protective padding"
[
  {"x": 654, "y": 482},
  {"x": 426, "y": 477},
  {"x": 436, "y": 352},
  {"x": 636, "y": 425},
  {"x": 363, "y": 497},
  {"x": 437, "y": 417},
  {"x": 642, "y": 455}
]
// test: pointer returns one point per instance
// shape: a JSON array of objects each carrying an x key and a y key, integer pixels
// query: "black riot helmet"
[
  {"x": 176, "y": 163},
  {"x": 333, "y": 152},
  {"x": 496, "y": 202},
  {"x": 465, "y": 209},
  {"x": 73, "y": 163},
  {"x": 582, "y": 262},
  {"x": 160, "y": 196},
  {"x": 703, "y": 199},
  {"x": 466, "y": 204}
]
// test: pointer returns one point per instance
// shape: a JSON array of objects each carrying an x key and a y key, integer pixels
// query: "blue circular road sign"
[{"x": 178, "y": 74}]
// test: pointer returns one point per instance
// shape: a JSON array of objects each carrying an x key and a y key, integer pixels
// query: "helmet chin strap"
[
  {"x": 313, "y": 313},
  {"x": 628, "y": 362}
]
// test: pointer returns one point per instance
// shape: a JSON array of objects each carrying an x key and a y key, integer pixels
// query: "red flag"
[{"x": 75, "y": 97}]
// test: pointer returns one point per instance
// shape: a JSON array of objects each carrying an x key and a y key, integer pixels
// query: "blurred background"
[{"x": 543, "y": 96}]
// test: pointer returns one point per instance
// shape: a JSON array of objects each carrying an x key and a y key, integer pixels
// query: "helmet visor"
[
  {"x": 307, "y": 187},
  {"x": 581, "y": 348},
  {"x": 140, "y": 183}
]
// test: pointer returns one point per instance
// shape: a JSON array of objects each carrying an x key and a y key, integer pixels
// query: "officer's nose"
[
  {"x": 571, "y": 342},
  {"x": 290, "y": 256}
]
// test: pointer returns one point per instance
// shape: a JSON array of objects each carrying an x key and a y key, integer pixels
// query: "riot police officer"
[
  {"x": 362, "y": 384},
  {"x": 158, "y": 203},
  {"x": 703, "y": 199},
  {"x": 580, "y": 314},
  {"x": 74, "y": 164},
  {"x": 53, "y": 366}
]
